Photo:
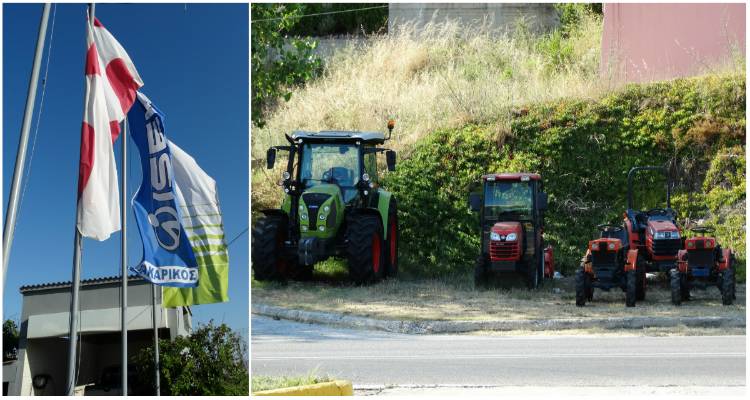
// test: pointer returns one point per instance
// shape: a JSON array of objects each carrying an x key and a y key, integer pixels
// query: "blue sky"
[{"x": 194, "y": 62}]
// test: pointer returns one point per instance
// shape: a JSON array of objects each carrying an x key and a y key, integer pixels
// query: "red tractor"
[
  {"x": 511, "y": 208},
  {"x": 610, "y": 262},
  {"x": 654, "y": 232},
  {"x": 700, "y": 264}
]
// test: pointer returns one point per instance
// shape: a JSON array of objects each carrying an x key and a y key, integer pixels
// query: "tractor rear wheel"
[
  {"x": 392, "y": 240},
  {"x": 268, "y": 237},
  {"x": 727, "y": 287},
  {"x": 640, "y": 289},
  {"x": 583, "y": 287},
  {"x": 630, "y": 288},
  {"x": 675, "y": 284},
  {"x": 366, "y": 250}
]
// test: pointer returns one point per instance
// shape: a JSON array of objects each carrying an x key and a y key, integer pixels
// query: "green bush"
[{"x": 583, "y": 149}]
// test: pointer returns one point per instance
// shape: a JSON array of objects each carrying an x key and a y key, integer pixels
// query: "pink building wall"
[{"x": 647, "y": 42}]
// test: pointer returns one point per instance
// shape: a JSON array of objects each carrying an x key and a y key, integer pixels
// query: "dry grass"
[
  {"x": 444, "y": 76},
  {"x": 455, "y": 299}
]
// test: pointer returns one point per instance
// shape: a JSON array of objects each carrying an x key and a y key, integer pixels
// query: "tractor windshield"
[
  {"x": 507, "y": 199},
  {"x": 331, "y": 163}
]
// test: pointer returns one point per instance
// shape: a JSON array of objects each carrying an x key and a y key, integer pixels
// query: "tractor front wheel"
[
  {"x": 630, "y": 289},
  {"x": 366, "y": 249},
  {"x": 640, "y": 290},
  {"x": 268, "y": 238},
  {"x": 727, "y": 287},
  {"x": 675, "y": 284},
  {"x": 584, "y": 291}
]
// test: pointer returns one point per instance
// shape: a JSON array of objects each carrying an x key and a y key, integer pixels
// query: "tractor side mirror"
[
  {"x": 542, "y": 201},
  {"x": 475, "y": 202},
  {"x": 390, "y": 159},
  {"x": 270, "y": 158}
]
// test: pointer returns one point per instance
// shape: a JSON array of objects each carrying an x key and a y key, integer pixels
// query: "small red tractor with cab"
[
  {"x": 511, "y": 211},
  {"x": 703, "y": 263},
  {"x": 610, "y": 262}
]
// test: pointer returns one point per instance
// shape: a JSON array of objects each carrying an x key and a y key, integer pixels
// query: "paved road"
[{"x": 379, "y": 358}]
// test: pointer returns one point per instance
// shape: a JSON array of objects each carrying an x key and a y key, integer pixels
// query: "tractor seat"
[{"x": 622, "y": 235}]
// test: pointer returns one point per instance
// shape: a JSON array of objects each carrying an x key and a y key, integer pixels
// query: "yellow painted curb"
[{"x": 334, "y": 388}]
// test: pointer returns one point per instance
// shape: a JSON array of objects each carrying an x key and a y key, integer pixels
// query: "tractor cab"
[
  {"x": 655, "y": 231},
  {"x": 701, "y": 264},
  {"x": 511, "y": 208},
  {"x": 333, "y": 206}
]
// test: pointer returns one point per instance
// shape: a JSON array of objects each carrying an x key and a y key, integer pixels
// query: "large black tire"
[
  {"x": 675, "y": 284},
  {"x": 392, "y": 240},
  {"x": 267, "y": 240},
  {"x": 727, "y": 287},
  {"x": 366, "y": 250},
  {"x": 631, "y": 279},
  {"x": 685, "y": 289},
  {"x": 583, "y": 282},
  {"x": 480, "y": 273},
  {"x": 640, "y": 289}
]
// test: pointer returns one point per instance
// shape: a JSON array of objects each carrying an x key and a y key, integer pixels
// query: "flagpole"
[
  {"x": 12, "y": 210},
  {"x": 74, "y": 290},
  {"x": 124, "y": 253},
  {"x": 156, "y": 338}
]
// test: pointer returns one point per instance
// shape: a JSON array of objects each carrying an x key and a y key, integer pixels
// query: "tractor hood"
[
  {"x": 507, "y": 227},
  {"x": 661, "y": 226},
  {"x": 321, "y": 210}
]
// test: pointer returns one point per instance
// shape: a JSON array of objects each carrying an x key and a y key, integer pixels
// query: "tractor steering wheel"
[
  {"x": 609, "y": 228},
  {"x": 656, "y": 211},
  {"x": 703, "y": 229}
]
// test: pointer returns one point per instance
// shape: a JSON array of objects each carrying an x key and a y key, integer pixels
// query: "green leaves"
[
  {"x": 278, "y": 62},
  {"x": 211, "y": 361}
]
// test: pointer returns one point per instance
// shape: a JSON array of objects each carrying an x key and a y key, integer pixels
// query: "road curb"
[
  {"x": 428, "y": 327},
  {"x": 334, "y": 388}
]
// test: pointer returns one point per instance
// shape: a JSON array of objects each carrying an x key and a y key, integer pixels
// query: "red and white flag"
[{"x": 111, "y": 85}]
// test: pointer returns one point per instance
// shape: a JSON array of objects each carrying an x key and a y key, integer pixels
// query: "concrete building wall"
[
  {"x": 646, "y": 42},
  {"x": 43, "y": 344},
  {"x": 541, "y": 17}
]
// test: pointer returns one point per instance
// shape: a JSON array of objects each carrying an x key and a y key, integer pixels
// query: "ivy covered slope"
[{"x": 583, "y": 149}]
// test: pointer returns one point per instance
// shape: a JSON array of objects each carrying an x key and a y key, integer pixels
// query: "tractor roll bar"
[{"x": 632, "y": 172}]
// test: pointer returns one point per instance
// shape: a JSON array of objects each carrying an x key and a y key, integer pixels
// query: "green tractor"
[{"x": 333, "y": 206}]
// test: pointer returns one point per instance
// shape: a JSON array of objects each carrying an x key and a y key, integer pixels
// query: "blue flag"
[{"x": 168, "y": 257}]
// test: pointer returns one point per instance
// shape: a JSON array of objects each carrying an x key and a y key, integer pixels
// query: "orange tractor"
[{"x": 703, "y": 263}]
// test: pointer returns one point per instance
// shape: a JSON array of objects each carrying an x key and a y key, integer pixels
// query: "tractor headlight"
[
  {"x": 301, "y": 208},
  {"x": 595, "y": 246},
  {"x": 322, "y": 228},
  {"x": 365, "y": 177},
  {"x": 494, "y": 236},
  {"x": 511, "y": 237},
  {"x": 286, "y": 175},
  {"x": 304, "y": 228},
  {"x": 322, "y": 217},
  {"x": 303, "y": 216},
  {"x": 611, "y": 246},
  {"x": 326, "y": 209}
]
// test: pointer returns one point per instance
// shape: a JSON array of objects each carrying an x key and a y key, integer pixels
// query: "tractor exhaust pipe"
[{"x": 632, "y": 173}]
